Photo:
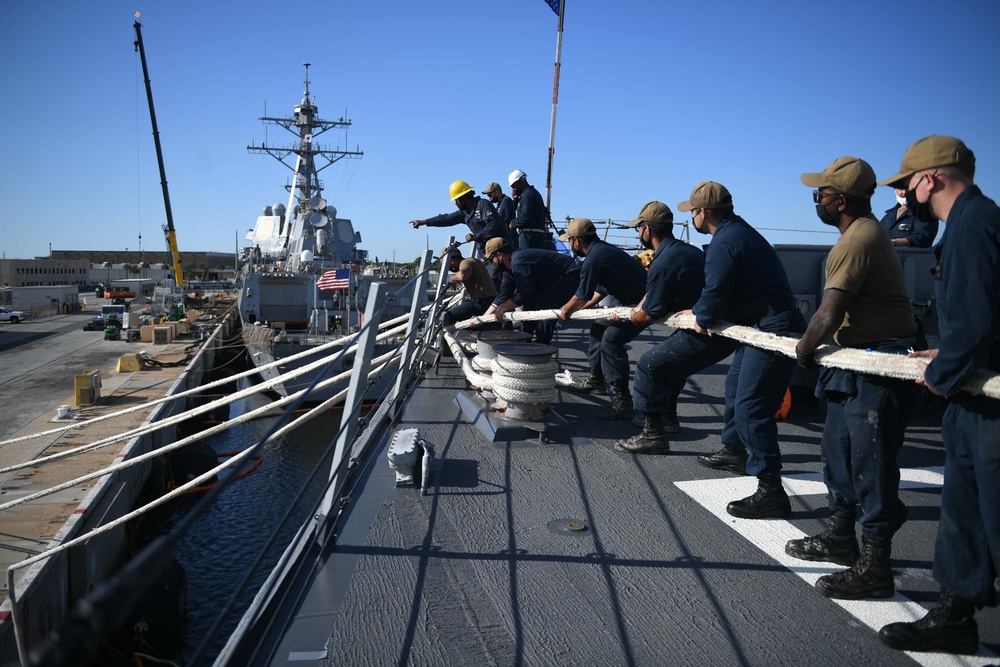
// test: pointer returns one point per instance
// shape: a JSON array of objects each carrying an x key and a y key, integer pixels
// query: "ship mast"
[{"x": 307, "y": 126}]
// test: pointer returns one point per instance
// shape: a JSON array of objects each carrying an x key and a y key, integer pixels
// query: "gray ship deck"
[{"x": 472, "y": 574}]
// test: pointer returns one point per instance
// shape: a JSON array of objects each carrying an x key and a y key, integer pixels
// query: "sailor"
[
  {"x": 865, "y": 305},
  {"x": 532, "y": 278},
  {"x": 904, "y": 228},
  {"x": 471, "y": 274},
  {"x": 530, "y": 218},
  {"x": 474, "y": 211},
  {"x": 674, "y": 282},
  {"x": 746, "y": 284},
  {"x": 506, "y": 208},
  {"x": 606, "y": 270},
  {"x": 937, "y": 173}
]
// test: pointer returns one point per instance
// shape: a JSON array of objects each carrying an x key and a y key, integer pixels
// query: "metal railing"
[{"x": 107, "y": 607}]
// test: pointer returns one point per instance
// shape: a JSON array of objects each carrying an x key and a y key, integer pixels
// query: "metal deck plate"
[{"x": 496, "y": 427}]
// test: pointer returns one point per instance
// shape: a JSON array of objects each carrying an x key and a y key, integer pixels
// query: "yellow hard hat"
[{"x": 459, "y": 188}]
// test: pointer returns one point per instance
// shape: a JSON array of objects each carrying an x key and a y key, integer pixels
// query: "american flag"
[
  {"x": 554, "y": 4},
  {"x": 334, "y": 280}
]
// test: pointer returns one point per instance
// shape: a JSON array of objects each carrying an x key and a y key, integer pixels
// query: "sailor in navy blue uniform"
[
  {"x": 746, "y": 284},
  {"x": 937, "y": 173},
  {"x": 506, "y": 208},
  {"x": 476, "y": 212},
  {"x": 530, "y": 218},
  {"x": 865, "y": 305},
  {"x": 675, "y": 278},
  {"x": 532, "y": 278},
  {"x": 606, "y": 270},
  {"x": 906, "y": 229}
]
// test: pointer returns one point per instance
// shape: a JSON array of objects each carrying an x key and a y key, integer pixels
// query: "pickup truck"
[
  {"x": 114, "y": 315},
  {"x": 12, "y": 316}
]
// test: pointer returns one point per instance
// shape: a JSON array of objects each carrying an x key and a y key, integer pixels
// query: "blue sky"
[{"x": 654, "y": 97}]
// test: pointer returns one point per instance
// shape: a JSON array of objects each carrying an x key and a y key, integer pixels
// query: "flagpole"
[{"x": 555, "y": 103}]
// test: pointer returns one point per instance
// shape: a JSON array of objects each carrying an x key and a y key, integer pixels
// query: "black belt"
[{"x": 537, "y": 231}]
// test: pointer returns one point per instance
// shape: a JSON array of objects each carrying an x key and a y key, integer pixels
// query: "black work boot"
[
  {"x": 727, "y": 458},
  {"x": 769, "y": 501},
  {"x": 870, "y": 576},
  {"x": 592, "y": 385},
  {"x": 670, "y": 424},
  {"x": 652, "y": 440},
  {"x": 837, "y": 544},
  {"x": 949, "y": 627},
  {"x": 621, "y": 404}
]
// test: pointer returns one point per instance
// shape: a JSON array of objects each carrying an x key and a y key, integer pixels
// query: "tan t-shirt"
[
  {"x": 864, "y": 263},
  {"x": 478, "y": 284}
]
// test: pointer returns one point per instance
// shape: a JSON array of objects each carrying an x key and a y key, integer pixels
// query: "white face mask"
[{"x": 901, "y": 200}]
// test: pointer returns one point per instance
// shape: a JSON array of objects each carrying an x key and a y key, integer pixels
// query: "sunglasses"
[{"x": 819, "y": 196}]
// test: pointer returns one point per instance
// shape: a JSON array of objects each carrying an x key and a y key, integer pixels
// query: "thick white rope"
[{"x": 860, "y": 361}]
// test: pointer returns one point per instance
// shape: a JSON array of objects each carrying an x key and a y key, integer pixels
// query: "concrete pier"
[{"x": 39, "y": 362}]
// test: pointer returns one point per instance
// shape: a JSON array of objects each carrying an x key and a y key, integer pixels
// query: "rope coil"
[{"x": 520, "y": 382}]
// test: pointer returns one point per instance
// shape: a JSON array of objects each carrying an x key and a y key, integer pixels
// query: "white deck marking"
[{"x": 771, "y": 535}]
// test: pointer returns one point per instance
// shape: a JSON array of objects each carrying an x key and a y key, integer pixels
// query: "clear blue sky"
[{"x": 655, "y": 96}]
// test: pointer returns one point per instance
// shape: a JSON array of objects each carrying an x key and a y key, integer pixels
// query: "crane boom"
[{"x": 168, "y": 229}]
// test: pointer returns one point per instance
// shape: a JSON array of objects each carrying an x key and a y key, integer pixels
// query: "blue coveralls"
[
  {"x": 920, "y": 234},
  {"x": 539, "y": 279},
  {"x": 483, "y": 222},
  {"x": 967, "y": 550},
  {"x": 746, "y": 284},
  {"x": 674, "y": 282},
  {"x": 506, "y": 210},
  {"x": 610, "y": 270},
  {"x": 529, "y": 221},
  {"x": 859, "y": 453}
]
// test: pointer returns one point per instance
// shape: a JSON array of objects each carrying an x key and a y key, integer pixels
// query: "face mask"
[
  {"x": 647, "y": 242},
  {"x": 825, "y": 216},
  {"x": 702, "y": 228},
  {"x": 577, "y": 252},
  {"x": 921, "y": 211},
  {"x": 901, "y": 200}
]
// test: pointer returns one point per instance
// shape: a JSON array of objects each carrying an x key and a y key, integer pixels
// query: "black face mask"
[
  {"x": 647, "y": 244},
  {"x": 920, "y": 211},
  {"x": 578, "y": 253},
  {"x": 825, "y": 216}
]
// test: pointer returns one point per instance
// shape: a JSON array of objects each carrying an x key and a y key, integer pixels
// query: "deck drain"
[{"x": 569, "y": 527}]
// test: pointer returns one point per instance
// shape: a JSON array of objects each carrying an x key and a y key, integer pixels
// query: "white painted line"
[
  {"x": 770, "y": 536},
  {"x": 310, "y": 656}
]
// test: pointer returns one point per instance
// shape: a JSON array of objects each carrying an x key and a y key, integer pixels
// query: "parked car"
[
  {"x": 12, "y": 316},
  {"x": 96, "y": 324}
]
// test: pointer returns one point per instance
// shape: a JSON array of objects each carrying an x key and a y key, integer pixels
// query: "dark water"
[{"x": 224, "y": 543}]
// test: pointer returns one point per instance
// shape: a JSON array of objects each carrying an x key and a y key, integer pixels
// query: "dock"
[{"x": 39, "y": 367}]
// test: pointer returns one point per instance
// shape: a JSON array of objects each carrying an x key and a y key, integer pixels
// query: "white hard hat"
[{"x": 515, "y": 176}]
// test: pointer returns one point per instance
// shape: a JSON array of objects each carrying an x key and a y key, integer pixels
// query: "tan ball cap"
[
  {"x": 936, "y": 150},
  {"x": 579, "y": 227},
  {"x": 849, "y": 175},
  {"x": 654, "y": 211},
  {"x": 495, "y": 245},
  {"x": 490, "y": 188},
  {"x": 707, "y": 194}
]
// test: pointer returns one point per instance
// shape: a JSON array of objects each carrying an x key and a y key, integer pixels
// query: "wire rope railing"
[{"x": 137, "y": 570}]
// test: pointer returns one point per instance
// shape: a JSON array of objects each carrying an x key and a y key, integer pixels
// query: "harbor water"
[{"x": 225, "y": 542}]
